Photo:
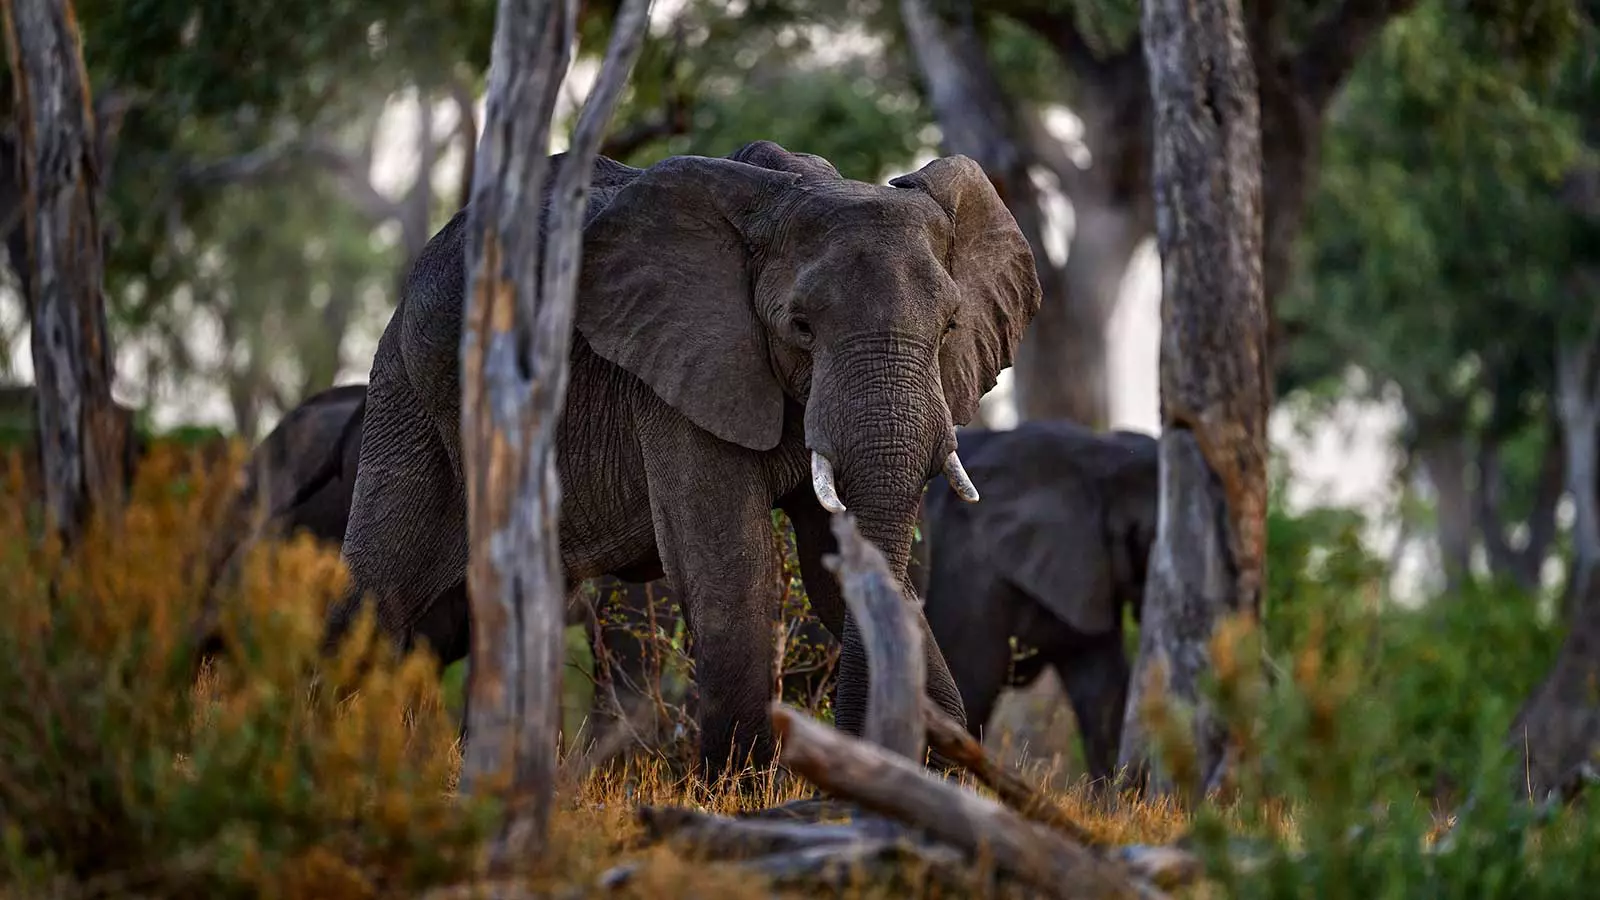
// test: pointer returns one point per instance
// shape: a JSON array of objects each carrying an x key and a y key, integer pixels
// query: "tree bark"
[
  {"x": 893, "y": 641},
  {"x": 1209, "y": 558},
  {"x": 1558, "y": 729},
  {"x": 518, "y": 330},
  {"x": 80, "y": 433},
  {"x": 892, "y": 785},
  {"x": 1443, "y": 452}
]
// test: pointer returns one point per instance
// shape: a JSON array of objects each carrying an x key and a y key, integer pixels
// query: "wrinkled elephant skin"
[
  {"x": 1052, "y": 557},
  {"x": 752, "y": 332}
]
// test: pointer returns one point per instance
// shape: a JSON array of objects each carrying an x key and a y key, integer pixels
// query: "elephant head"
[{"x": 738, "y": 287}]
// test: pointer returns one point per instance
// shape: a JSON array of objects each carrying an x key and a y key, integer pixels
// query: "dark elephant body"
[
  {"x": 751, "y": 333},
  {"x": 1052, "y": 557},
  {"x": 300, "y": 479}
]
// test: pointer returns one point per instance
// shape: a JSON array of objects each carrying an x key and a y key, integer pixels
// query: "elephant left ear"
[{"x": 993, "y": 268}]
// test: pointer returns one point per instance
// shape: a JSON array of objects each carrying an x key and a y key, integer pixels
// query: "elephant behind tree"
[
  {"x": 1052, "y": 557},
  {"x": 751, "y": 333}
]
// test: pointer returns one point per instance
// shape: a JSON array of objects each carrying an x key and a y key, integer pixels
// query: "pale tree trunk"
[
  {"x": 1062, "y": 367},
  {"x": 1443, "y": 452},
  {"x": 1209, "y": 559},
  {"x": 79, "y": 429},
  {"x": 1557, "y": 732},
  {"x": 520, "y": 303}
]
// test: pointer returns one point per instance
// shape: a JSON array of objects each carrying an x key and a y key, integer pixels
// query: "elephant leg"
[
  {"x": 406, "y": 542},
  {"x": 813, "y": 535},
  {"x": 970, "y": 612},
  {"x": 712, "y": 514},
  {"x": 1095, "y": 675}
]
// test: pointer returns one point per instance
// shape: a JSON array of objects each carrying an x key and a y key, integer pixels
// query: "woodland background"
[{"x": 1431, "y": 187}]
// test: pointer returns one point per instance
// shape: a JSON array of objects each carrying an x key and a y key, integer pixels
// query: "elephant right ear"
[{"x": 666, "y": 292}]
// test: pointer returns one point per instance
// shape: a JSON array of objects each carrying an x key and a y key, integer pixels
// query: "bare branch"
[
  {"x": 950, "y": 739},
  {"x": 1337, "y": 41},
  {"x": 516, "y": 332},
  {"x": 893, "y": 641}
]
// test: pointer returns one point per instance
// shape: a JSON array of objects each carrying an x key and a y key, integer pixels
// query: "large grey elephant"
[
  {"x": 300, "y": 479},
  {"x": 1052, "y": 557},
  {"x": 752, "y": 333}
]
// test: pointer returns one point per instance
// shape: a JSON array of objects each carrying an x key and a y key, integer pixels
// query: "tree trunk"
[
  {"x": 1558, "y": 729},
  {"x": 520, "y": 302},
  {"x": 978, "y": 120},
  {"x": 1061, "y": 369},
  {"x": 1209, "y": 558},
  {"x": 1524, "y": 566},
  {"x": 1443, "y": 452},
  {"x": 79, "y": 431}
]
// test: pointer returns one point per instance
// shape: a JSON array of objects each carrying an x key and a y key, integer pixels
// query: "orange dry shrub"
[{"x": 122, "y": 773}]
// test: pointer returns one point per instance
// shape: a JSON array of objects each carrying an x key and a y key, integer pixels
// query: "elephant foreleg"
[
  {"x": 712, "y": 517},
  {"x": 1095, "y": 675}
]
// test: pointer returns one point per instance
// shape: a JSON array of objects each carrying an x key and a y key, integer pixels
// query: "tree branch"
[
  {"x": 1337, "y": 40},
  {"x": 467, "y": 131}
]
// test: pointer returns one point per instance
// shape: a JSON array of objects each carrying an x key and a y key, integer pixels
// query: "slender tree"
[
  {"x": 522, "y": 282},
  {"x": 1209, "y": 557},
  {"x": 79, "y": 430}
]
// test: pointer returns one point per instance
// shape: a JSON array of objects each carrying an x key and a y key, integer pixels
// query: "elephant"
[
  {"x": 1052, "y": 557},
  {"x": 300, "y": 478},
  {"x": 750, "y": 332}
]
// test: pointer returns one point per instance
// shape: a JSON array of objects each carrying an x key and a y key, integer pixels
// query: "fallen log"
[
  {"x": 839, "y": 865},
  {"x": 811, "y": 809},
  {"x": 951, "y": 740},
  {"x": 892, "y": 640},
  {"x": 722, "y": 837},
  {"x": 894, "y": 786}
]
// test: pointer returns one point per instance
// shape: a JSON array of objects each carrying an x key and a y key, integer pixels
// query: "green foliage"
[
  {"x": 1363, "y": 718},
  {"x": 1337, "y": 747},
  {"x": 1436, "y": 249}
]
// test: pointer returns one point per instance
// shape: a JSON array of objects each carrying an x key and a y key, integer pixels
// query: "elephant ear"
[
  {"x": 993, "y": 268},
  {"x": 666, "y": 292},
  {"x": 770, "y": 155}
]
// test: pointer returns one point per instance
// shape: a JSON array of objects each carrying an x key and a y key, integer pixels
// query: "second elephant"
[{"x": 1052, "y": 557}]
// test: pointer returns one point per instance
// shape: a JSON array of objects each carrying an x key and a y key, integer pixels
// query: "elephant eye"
[
  {"x": 803, "y": 326},
  {"x": 950, "y": 326}
]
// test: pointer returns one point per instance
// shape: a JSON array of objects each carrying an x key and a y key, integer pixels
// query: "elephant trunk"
[{"x": 881, "y": 428}]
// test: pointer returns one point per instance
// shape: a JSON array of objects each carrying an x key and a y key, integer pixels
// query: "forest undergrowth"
[{"x": 125, "y": 772}]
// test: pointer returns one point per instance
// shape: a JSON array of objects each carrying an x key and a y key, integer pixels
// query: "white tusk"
[
  {"x": 822, "y": 483},
  {"x": 959, "y": 482}
]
